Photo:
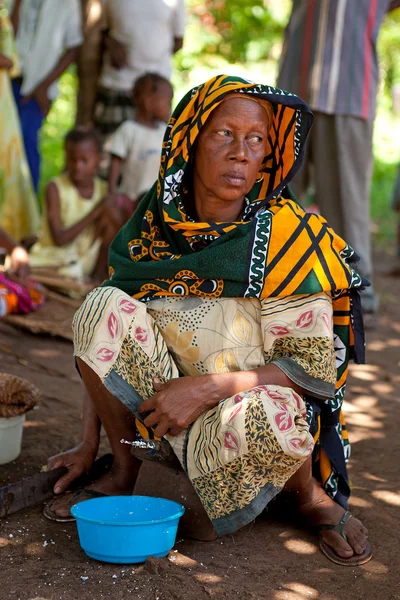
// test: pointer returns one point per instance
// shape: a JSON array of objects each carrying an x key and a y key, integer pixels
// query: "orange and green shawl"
[{"x": 275, "y": 250}]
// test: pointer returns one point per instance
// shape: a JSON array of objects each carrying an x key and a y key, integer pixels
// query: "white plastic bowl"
[{"x": 10, "y": 438}]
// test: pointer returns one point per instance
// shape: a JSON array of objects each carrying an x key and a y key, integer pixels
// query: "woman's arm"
[
  {"x": 62, "y": 236},
  {"x": 179, "y": 402}
]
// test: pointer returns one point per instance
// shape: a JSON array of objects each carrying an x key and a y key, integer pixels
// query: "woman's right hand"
[{"x": 78, "y": 461}]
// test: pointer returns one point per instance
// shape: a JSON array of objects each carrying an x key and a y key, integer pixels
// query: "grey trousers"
[{"x": 339, "y": 161}]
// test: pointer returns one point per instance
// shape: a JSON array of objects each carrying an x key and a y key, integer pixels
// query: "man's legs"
[
  {"x": 342, "y": 157},
  {"x": 89, "y": 61},
  {"x": 31, "y": 120}
]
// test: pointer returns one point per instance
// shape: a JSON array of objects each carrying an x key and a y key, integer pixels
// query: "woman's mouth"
[{"x": 234, "y": 179}]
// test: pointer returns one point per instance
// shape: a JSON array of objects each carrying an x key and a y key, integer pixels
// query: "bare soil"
[{"x": 267, "y": 560}]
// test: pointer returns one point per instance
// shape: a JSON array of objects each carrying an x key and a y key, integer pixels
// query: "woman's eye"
[
  {"x": 223, "y": 132},
  {"x": 255, "y": 139}
]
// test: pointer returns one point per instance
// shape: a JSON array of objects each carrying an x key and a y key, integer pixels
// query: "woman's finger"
[
  {"x": 161, "y": 429},
  {"x": 158, "y": 384},
  {"x": 66, "y": 480},
  {"x": 174, "y": 431},
  {"x": 148, "y": 405},
  {"x": 152, "y": 419},
  {"x": 54, "y": 462}
]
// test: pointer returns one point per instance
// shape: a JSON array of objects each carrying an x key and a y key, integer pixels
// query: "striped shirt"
[{"x": 329, "y": 55}]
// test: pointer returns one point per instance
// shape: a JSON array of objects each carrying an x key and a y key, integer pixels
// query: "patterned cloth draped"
[
  {"x": 275, "y": 251},
  {"x": 16, "y": 298},
  {"x": 240, "y": 453}
]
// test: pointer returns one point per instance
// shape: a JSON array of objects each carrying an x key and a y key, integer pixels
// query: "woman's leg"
[
  {"x": 318, "y": 508},
  {"x": 118, "y": 423}
]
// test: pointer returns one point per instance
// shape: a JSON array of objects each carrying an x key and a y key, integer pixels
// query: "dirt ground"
[{"x": 264, "y": 561}]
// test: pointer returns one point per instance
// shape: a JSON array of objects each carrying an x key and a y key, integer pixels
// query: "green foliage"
[
  {"x": 234, "y": 30},
  {"x": 389, "y": 50}
]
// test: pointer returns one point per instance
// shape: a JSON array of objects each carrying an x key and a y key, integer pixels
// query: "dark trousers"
[{"x": 31, "y": 120}]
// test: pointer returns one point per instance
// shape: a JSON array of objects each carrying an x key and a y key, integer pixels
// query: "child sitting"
[
  {"x": 136, "y": 145},
  {"x": 76, "y": 225}
]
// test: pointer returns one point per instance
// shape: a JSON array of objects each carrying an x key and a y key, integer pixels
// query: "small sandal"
[{"x": 352, "y": 561}]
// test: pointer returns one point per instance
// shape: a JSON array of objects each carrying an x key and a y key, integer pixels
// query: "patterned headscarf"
[{"x": 276, "y": 249}]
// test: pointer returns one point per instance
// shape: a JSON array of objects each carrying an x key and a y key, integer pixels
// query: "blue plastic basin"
[{"x": 127, "y": 529}]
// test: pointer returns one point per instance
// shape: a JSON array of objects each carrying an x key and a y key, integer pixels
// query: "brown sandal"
[
  {"x": 352, "y": 561},
  {"x": 75, "y": 497}
]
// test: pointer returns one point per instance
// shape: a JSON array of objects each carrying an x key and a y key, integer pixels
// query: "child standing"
[
  {"x": 76, "y": 226},
  {"x": 136, "y": 145}
]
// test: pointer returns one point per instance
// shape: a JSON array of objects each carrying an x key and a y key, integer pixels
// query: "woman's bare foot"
[{"x": 319, "y": 509}]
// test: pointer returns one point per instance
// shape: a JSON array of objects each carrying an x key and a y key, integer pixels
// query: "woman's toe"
[
  {"x": 356, "y": 537},
  {"x": 338, "y": 544}
]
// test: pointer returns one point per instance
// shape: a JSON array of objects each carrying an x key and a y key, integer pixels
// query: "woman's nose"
[{"x": 238, "y": 150}]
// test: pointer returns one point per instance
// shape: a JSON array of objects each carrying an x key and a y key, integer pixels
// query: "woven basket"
[{"x": 17, "y": 395}]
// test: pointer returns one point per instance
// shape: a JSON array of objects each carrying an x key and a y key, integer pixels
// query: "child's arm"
[
  {"x": 5, "y": 62},
  {"x": 62, "y": 236},
  {"x": 114, "y": 173}
]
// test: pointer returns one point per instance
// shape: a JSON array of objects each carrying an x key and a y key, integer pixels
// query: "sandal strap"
[{"x": 339, "y": 527}]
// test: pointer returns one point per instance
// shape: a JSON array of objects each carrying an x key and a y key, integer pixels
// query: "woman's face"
[{"x": 230, "y": 149}]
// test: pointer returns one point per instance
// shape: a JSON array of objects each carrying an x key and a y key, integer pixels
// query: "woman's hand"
[
  {"x": 178, "y": 403},
  {"x": 20, "y": 262},
  {"x": 78, "y": 461}
]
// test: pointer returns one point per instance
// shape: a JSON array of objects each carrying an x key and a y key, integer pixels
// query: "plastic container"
[
  {"x": 127, "y": 529},
  {"x": 10, "y": 438}
]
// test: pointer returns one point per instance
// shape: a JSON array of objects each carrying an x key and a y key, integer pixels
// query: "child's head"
[
  {"x": 153, "y": 94},
  {"x": 83, "y": 153}
]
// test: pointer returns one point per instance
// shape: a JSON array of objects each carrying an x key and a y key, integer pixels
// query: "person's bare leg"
[
  {"x": 118, "y": 423},
  {"x": 318, "y": 508},
  {"x": 107, "y": 229}
]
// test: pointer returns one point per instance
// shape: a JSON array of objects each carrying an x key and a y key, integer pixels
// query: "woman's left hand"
[{"x": 178, "y": 403}]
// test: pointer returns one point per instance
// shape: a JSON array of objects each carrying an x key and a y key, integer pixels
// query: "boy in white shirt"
[
  {"x": 135, "y": 147},
  {"x": 142, "y": 37}
]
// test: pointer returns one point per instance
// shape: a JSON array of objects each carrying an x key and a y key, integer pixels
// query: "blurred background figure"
[
  {"x": 77, "y": 226},
  {"x": 329, "y": 59},
  {"x": 140, "y": 37},
  {"x": 48, "y": 34},
  {"x": 19, "y": 211},
  {"x": 135, "y": 147}
]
